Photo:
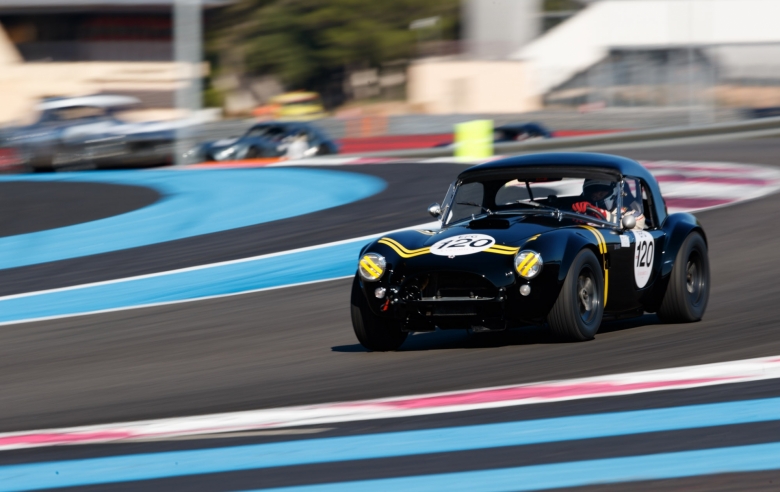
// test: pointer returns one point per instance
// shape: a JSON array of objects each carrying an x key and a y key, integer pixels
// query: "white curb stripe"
[{"x": 428, "y": 404}]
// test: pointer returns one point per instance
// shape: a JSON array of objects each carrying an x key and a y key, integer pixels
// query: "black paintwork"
[{"x": 484, "y": 286}]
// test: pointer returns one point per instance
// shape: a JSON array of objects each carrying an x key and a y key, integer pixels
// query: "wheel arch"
[
  {"x": 575, "y": 243},
  {"x": 678, "y": 227}
]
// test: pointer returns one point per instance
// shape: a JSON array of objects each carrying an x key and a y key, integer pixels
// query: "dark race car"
[
  {"x": 514, "y": 132},
  {"x": 513, "y": 251},
  {"x": 271, "y": 139}
]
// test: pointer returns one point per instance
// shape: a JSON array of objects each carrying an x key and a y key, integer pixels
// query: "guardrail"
[{"x": 765, "y": 127}]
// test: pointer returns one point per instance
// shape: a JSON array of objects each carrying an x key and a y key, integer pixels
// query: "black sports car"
[
  {"x": 272, "y": 139},
  {"x": 512, "y": 251}
]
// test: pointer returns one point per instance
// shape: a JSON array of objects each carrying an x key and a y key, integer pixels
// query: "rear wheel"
[
  {"x": 689, "y": 283},
  {"x": 252, "y": 153},
  {"x": 576, "y": 315},
  {"x": 374, "y": 333}
]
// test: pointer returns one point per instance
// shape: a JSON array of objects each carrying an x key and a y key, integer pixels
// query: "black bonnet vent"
[{"x": 489, "y": 223}]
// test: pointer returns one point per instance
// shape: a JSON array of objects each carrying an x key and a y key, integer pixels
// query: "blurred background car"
[
  {"x": 520, "y": 131},
  {"x": 514, "y": 132},
  {"x": 85, "y": 132},
  {"x": 273, "y": 139}
]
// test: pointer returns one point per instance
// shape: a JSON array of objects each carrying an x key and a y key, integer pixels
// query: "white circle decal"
[
  {"x": 465, "y": 244},
  {"x": 643, "y": 257}
]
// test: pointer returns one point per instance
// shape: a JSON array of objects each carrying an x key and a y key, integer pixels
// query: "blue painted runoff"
[
  {"x": 273, "y": 271},
  {"x": 372, "y": 446},
  {"x": 737, "y": 459},
  {"x": 194, "y": 202}
]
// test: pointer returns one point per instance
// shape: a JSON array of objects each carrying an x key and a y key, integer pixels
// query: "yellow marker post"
[{"x": 474, "y": 139}]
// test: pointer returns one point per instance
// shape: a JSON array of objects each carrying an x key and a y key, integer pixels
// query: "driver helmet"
[{"x": 600, "y": 193}]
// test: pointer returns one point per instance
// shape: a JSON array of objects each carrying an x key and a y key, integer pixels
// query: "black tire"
[
  {"x": 373, "y": 332},
  {"x": 576, "y": 315},
  {"x": 688, "y": 291},
  {"x": 252, "y": 153}
]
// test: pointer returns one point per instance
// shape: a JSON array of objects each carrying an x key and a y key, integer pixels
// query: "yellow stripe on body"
[
  {"x": 401, "y": 250},
  {"x": 599, "y": 238},
  {"x": 510, "y": 252},
  {"x": 603, "y": 250},
  {"x": 500, "y": 246},
  {"x": 367, "y": 267},
  {"x": 502, "y": 250}
]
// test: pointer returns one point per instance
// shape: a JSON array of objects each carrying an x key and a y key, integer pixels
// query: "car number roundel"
[
  {"x": 465, "y": 244},
  {"x": 643, "y": 257}
]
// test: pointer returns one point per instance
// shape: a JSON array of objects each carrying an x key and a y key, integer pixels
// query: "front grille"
[{"x": 451, "y": 286}]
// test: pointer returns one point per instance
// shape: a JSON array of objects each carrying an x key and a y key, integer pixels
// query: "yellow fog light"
[
  {"x": 372, "y": 267},
  {"x": 528, "y": 263}
]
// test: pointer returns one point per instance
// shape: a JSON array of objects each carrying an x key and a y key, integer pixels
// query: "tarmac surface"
[{"x": 295, "y": 345}]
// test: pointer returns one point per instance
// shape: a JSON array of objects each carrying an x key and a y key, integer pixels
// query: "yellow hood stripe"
[
  {"x": 507, "y": 248},
  {"x": 401, "y": 250},
  {"x": 509, "y": 252}
]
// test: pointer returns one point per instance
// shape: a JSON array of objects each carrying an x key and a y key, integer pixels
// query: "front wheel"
[
  {"x": 576, "y": 315},
  {"x": 374, "y": 333},
  {"x": 688, "y": 291}
]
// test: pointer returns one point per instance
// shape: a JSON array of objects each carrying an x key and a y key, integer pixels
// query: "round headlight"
[
  {"x": 372, "y": 267},
  {"x": 528, "y": 263}
]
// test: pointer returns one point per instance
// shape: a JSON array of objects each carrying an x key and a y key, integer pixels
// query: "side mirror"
[
  {"x": 435, "y": 210},
  {"x": 629, "y": 222}
]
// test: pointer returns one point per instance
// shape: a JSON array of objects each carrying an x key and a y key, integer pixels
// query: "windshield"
[
  {"x": 271, "y": 132},
  {"x": 595, "y": 198},
  {"x": 74, "y": 113}
]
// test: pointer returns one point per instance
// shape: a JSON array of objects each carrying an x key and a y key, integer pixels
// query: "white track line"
[
  {"x": 429, "y": 225},
  {"x": 406, "y": 406}
]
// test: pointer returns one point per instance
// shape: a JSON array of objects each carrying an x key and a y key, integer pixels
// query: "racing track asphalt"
[
  {"x": 295, "y": 345},
  {"x": 35, "y": 206}
]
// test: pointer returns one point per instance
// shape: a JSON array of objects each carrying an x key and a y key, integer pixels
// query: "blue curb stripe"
[
  {"x": 193, "y": 203},
  {"x": 324, "y": 450},
  {"x": 754, "y": 458},
  {"x": 305, "y": 266}
]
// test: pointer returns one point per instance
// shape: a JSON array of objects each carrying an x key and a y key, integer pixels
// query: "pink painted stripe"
[
  {"x": 699, "y": 167},
  {"x": 671, "y": 178},
  {"x": 696, "y": 203},
  {"x": 63, "y": 438},
  {"x": 546, "y": 392},
  {"x": 396, "y": 407}
]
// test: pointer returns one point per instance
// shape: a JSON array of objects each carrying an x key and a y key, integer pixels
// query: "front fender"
[
  {"x": 558, "y": 250},
  {"x": 565, "y": 245}
]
